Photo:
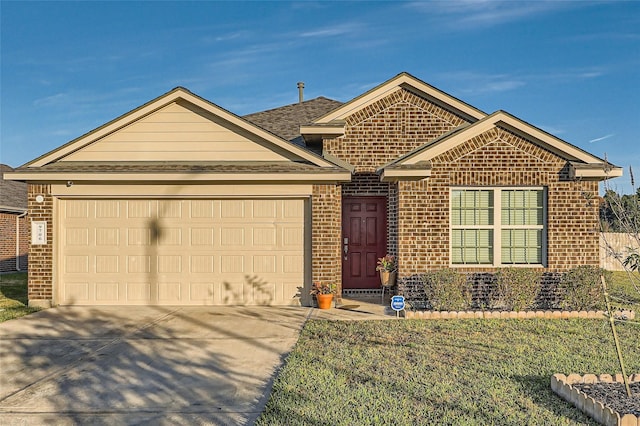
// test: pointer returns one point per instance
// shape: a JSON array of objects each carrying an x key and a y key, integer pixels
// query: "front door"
[{"x": 364, "y": 240}]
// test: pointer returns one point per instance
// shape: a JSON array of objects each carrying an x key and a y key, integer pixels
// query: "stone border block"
[
  {"x": 626, "y": 314},
  {"x": 561, "y": 386}
]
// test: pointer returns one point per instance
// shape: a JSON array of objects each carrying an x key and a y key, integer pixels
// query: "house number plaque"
[{"x": 38, "y": 232}]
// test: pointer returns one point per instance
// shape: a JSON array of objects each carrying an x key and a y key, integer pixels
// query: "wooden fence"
[{"x": 618, "y": 243}]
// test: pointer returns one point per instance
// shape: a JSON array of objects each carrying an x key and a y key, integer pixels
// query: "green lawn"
[
  {"x": 13, "y": 296},
  {"x": 414, "y": 372}
]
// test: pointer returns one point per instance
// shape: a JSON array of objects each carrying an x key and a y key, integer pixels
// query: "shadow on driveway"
[{"x": 143, "y": 365}]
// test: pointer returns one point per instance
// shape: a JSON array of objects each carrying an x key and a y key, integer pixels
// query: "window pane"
[
  {"x": 472, "y": 246},
  {"x": 522, "y": 207},
  {"x": 521, "y": 246},
  {"x": 472, "y": 207}
]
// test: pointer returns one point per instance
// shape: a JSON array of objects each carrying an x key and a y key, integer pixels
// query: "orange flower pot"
[{"x": 324, "y": 300}]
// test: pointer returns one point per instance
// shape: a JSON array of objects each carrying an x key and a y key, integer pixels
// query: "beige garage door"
[{"x": 181, "y": 252}]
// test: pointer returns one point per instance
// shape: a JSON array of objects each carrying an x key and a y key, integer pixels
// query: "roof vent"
[{"x": 300, "y": 91}]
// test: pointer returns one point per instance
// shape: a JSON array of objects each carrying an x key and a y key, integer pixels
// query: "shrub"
[
  {"x": 581, "y": 288},
  {"x": 446, "y": 289},
  {"x": 517, "y": 288}
]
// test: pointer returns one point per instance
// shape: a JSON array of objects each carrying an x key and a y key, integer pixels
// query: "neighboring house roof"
[
  {"x": 285, "y": 121},
  {"x": 417, "y": 163},
  {"x": 13, "y": 195}
]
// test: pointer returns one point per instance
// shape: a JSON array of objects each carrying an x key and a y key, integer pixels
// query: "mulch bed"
[{"x": 614, "y": 396}]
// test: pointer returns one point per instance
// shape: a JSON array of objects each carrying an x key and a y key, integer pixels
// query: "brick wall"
[
  {"x": 326, "y": 203},
  {"x": 40, "y": 281},
  {"x": 380, "y": 133},
  {"x": 496, "y": 158},
  {"x": 389, "y": 128},
  {"x": 8, "y": 224}
]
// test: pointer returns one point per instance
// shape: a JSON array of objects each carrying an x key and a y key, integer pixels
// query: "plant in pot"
[
  {"x": 324, "y": 294},
  {"x": 387, "y": 266}
]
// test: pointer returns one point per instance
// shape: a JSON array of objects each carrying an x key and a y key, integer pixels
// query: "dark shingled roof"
[
  {"x": 285, "y": 121},
  {"x": 160, "y": 167},
  {"x": 13, "y": 195}
]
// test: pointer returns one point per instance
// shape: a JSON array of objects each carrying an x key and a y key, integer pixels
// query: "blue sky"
[{"x": 571, "y": 68}]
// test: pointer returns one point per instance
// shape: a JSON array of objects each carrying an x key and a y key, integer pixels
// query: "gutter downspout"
[{"x": 20, "y": 216}]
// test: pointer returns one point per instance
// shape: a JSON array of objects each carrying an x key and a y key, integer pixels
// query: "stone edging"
[
  {"x": 514, "y": 314},
  {"x": 561, "y": 385}
]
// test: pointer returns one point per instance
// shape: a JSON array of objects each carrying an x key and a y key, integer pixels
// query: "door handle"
[{"x": 345, "y": 247}]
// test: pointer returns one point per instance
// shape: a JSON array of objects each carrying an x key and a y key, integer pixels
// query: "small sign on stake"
[{"x": 397, "y": 304}]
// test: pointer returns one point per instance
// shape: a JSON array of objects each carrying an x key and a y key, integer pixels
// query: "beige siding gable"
[{"x": 177, "y": 133}]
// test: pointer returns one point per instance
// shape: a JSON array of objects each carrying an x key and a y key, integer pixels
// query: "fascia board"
[
  {"x": 391, "y": 175},
  {"x": 513, "y": 124},
  {"x": 324, "y": 130},
  {"x": 550, "y": 142},
  {"x": 154, "y": 105},
  {"x": 178, "y": 177},
  {"x": 399, "y": 82},
  {"x": 8, "y": 209},
  {"x": 451, "y": 142},
  {"x": 270, "y": 137},
  {"x": 108, "y": 128},
  {"x": 359, "y": 103},
  {"x": 591, "y": 173}
]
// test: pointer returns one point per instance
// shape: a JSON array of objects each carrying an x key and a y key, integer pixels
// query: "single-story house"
[
  {"x": 181, "y": 202},
  {"x": 14, "y": 230}
]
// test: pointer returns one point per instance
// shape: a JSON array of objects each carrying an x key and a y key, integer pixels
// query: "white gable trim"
[
  {"x": 399, "y": 82},
  {"x": 511, "y": 123},
  {"x": 162, "y": 101}
]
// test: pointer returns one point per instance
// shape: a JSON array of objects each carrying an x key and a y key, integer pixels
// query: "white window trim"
[{"x": 497, "y": 226}]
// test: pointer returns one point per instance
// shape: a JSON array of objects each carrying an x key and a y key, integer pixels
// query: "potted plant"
[
  {"x": 387, "y": 266},
  {"x": 324, "y": 294}
]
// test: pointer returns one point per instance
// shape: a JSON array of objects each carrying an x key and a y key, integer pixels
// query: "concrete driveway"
[{"x": 143, "y": 365}]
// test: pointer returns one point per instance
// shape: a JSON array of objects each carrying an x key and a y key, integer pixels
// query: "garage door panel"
[
  {"x": 77, "y": 292},
  {"x": 107, "y": 292},
  {"x": 169, "y": 292},
  {"x": 138, "y": 292},
  {"x": 181, "y": 252}
]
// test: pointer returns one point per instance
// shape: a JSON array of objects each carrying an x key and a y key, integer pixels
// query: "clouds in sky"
[
  {"x": 610, "y": 135},
  {"x": 68, "y": 67},
  {"x": 474, "y": 14}
]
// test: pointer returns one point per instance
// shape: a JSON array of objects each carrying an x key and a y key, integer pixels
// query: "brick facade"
[
  {"x": 418, "y": 211},
  {"x": 496, "y": 158},
  {"x": 389, "y": 128},
  {"x": 13, "y": 226},
  {"x": 40, "y": 281},
  {"x": 380, "y": 133},
  {"x": 326, "y": 232}
]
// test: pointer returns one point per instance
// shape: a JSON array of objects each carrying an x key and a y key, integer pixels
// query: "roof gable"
[
  {"x": 408, "y": 82},
  {"x": 418, "y": 161},
  {"x": 179, "y": 126}
]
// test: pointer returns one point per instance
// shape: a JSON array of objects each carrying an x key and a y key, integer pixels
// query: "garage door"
[{"x": 181, "y": 252}]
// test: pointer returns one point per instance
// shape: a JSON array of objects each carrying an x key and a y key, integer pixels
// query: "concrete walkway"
[
  {"x": 143, "y": 365},
  {"x": 151, "y": 365}
]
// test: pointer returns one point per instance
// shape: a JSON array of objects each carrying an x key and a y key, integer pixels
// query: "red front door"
[{"x": 364, "y": 240}]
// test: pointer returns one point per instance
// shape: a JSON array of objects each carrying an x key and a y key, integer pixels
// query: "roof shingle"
[
  {"x": 285, "y": 121},
  {"x": 13, "y": 194}
]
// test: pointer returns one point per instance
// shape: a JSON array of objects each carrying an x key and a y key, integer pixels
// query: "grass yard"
[
  {"x": 13, "y": 296},
  {"x": 457, "y": 372},
  {"x": 625, "y": 292}
]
